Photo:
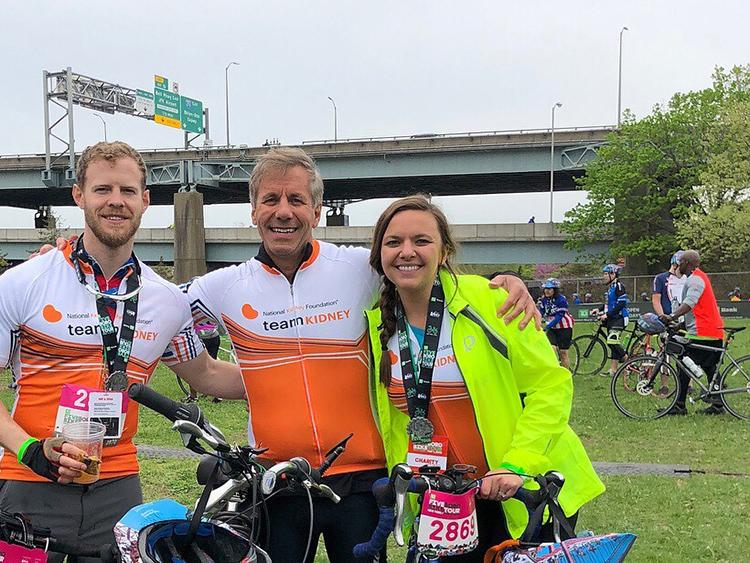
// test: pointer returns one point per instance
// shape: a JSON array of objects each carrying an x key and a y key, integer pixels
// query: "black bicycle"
[
  {"x": 18, "y": 533},
  {"x": 589, "y": 352},
  {"x": 646, "y": 387},
  {"x": 430, "y": 539}
]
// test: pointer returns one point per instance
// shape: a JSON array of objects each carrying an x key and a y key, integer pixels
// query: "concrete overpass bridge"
[
  {"x": 353, "y": 169},
  {"x": 479, "y": 244}
]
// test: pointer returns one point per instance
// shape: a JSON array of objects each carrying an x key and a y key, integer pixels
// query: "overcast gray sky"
[{"x": 393, "y": 67}]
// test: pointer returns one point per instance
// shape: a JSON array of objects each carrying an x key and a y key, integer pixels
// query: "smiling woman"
[{"x": 449, "y": 373}]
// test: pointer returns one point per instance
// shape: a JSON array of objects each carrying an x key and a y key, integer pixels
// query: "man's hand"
[
  {"x": 54, "y": 459},
  {"x": 60, "y": 244},
  {"x": 602, "y": 318},
  {"x": 500, "y": 485},
  {"x": 519, "y": 301}
]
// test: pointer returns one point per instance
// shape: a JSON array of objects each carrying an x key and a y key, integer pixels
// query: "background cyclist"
[
  {"x": 667, "y": 292},
  {"x": 615, "y": 316},
  {"x": 558, "y": 322}
]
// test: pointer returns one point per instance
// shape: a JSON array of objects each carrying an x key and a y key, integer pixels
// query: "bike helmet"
[
  {"x": 676, "y": 257},
  {"x": 551, "y": 283},
  {"x": 612, "y": 269},
  {"x": 151, "y": 533},
  {"x": 651, "y": 324}
]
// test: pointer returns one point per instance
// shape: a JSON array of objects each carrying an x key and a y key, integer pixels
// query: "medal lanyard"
[
  {"x": 116, "y": 351},
  {"x": 418, "y": 387}
]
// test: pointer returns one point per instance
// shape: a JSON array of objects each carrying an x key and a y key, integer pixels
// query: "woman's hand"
[
  {"x": 519, "y": 301},
  {"x": 500, "y": 485},
  {"x": 60, "y": 244}
]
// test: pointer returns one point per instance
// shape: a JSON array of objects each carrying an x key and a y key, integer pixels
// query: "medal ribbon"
[
  {"x": 116, "y": 351},
  {"x": 418, "y": 387}
]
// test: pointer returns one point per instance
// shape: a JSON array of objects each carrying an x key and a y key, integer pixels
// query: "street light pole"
[
  {"x": 335, "y": 120},
  {"x": 552, "y": 161},
  {"x": 103, "y": 123},
  {"x": 226, "y": 93},
  {"x": 619, "y": 82}
]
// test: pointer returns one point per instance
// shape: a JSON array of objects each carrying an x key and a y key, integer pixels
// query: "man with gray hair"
[
  {"x": 294, "y": 314},
  {"x": 703, "y": 324}
]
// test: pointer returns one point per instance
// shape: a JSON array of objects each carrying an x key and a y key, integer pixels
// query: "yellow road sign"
[{"x": 168, "y": 121}]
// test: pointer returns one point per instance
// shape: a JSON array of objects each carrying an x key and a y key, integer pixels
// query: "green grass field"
[{"x": 695, "y": 518}]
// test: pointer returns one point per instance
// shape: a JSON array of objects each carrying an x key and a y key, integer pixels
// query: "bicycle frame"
[{"x": 707, "y": 389}]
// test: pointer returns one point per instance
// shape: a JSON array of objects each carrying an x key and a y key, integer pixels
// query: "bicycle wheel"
[
  {"x": 639, "y": 393},
  {"x": 735, "y": 380},
  {"x": 588, "y": 354}
]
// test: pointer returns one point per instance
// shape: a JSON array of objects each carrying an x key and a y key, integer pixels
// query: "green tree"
[
  {"x": 644, "y": 179},
  {"x": 718, "y": 224}
]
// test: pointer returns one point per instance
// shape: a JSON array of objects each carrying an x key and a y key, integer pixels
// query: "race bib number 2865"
[{"x": 448, "y": 523}]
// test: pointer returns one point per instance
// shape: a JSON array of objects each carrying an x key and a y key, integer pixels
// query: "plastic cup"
[{"x": 89, "y": 437}]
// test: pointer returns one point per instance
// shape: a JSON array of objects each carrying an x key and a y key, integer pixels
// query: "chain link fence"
[{"x": 639, "y": 287}]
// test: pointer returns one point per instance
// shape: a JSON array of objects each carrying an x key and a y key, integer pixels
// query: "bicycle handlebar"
[
  {"x": 18, "y": 529},
  {"x": 106, "y": 553},
  {"x": 387, "y": 495},
  {"x": 299, "y": 469},
  {"x": 165, "y": 406}
]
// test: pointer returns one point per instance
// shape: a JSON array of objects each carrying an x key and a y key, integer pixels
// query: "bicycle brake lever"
[
  {"x": 401, "y": 474},
  {"x": 326, "y": 491}
]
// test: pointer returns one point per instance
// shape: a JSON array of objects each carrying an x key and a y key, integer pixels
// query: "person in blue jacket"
[
  {"x": 558, "y": 321},
  {"x": 615, "y": 315}
]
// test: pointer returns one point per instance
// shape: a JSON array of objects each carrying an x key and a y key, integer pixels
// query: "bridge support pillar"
[
  {"x": 44, "y": 218},
  {"x": 335, "y": 217},
  {"x": 189, "y": 236}
]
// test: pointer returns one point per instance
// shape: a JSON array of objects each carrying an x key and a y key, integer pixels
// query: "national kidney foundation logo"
[
  {"x": 248, "y": 312},
  {"x": 50, "y": 314}
]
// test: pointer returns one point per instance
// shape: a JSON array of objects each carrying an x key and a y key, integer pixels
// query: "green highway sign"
[
  {"x": 167, "y": 108},
  {"x": 192, "y": 115},
  {"x": 160, "y": 82}
]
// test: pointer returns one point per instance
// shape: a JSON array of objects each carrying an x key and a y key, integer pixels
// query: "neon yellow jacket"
[{"x": 499, "y": 363}]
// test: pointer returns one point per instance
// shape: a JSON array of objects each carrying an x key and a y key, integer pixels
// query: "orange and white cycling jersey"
[
  {"x": 303, "y": 351},
  {"x": 451, "y": 410},
  {"x": 50, "y": 336}
]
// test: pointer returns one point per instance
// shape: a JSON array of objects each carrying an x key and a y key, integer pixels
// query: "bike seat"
[{"x": 734, "y": 329}]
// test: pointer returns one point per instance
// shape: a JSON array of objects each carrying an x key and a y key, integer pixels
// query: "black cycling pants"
[
  {"x": 616, "y": 351},
  {"x": 212, "y": 345},
  {"x": 342, "y": 525},
  {"x": 706, "y": 359}
]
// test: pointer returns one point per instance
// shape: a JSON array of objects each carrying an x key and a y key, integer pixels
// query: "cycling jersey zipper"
[{"x": 305, "y": 380}]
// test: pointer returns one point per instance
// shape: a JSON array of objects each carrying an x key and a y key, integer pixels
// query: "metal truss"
[
  {"x": 576, "y": 157},
  {"x": 66, "y": 89},
  {"x": 339, "y": 203}
]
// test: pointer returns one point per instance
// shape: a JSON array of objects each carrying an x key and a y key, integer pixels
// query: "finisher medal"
[
  {"x": 116, "y": 381},
  {"x": 420, "y": 430}
]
